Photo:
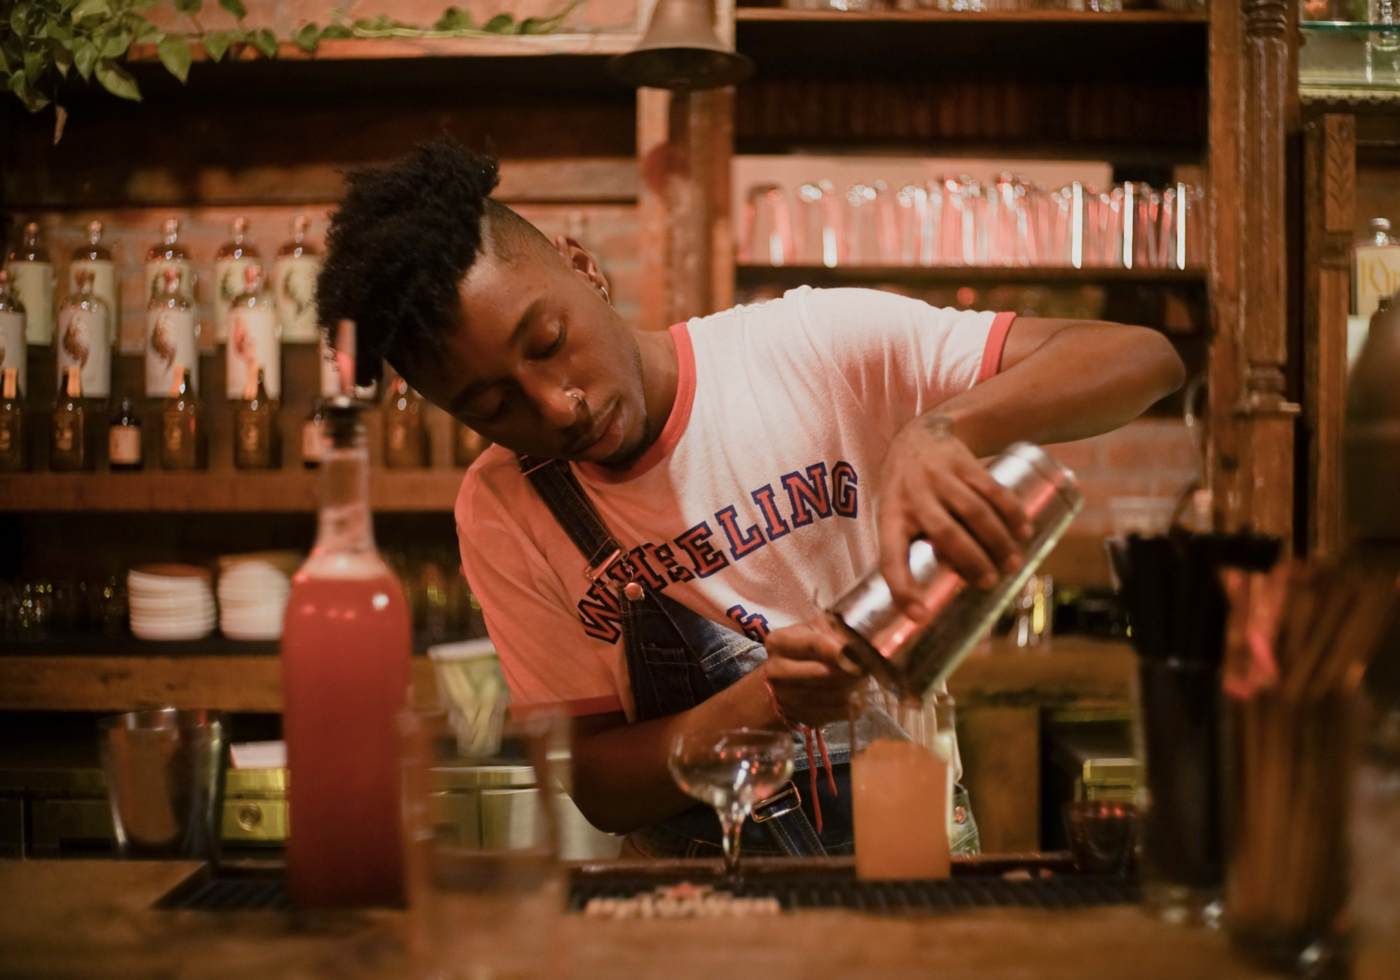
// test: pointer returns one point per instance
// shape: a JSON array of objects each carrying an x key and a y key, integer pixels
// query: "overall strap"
[{"x": 566, "y": 499}]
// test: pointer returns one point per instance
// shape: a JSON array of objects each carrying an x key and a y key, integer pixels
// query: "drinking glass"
[
  {"x": 731, "y": 770},
  {"x": 766, "y": 236},
  {"x": 818, "y": 236},
  {"x": 872, "y": 233},
  {"x": 916, "y": 224}
]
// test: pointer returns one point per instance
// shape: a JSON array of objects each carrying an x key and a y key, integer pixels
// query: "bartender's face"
[{"x": 538, "y": 361}]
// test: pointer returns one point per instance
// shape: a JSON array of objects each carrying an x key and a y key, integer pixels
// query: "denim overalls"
[{"x": 677, "y": 659}]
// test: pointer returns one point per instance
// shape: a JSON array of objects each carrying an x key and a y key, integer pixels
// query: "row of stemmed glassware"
[{"x": 959, "y": 221}]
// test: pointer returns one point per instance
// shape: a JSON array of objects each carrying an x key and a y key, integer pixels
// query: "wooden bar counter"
[{"x": 93, "y": 919}]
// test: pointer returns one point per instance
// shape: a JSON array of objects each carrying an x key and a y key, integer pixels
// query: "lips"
[{"x": 598, "y": 443}]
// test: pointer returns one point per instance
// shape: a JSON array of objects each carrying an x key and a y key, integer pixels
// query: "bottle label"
[
  {"x": 124, "y": 444},
  {"x": 1377, "y": 275},
  {"x": 8, "y": 437},
  {"x": 313, "y": 443},
  {"x": 33, "y": 286},
  {"x": 155, "y": 278},
  {"x": 295, "y": 280},
  {"x": 171, "y": 345},
  {"x": 84, "y": 343},
  {"x": 14, "y": 348},
  {"x": 253, "y": 343},
  {"x": 230, "y": 275},
  {"x": 65, "y": 436},
  {"x": 249, "y": 436},
  {"x": 105, "y": 286},
  {"x": 173, "y": 433}
]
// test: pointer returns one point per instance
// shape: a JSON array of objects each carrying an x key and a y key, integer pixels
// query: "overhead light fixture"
[{"x": 681, "y": 51}]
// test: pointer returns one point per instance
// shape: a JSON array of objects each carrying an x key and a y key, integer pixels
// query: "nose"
[{"x": 559, "y": 403}]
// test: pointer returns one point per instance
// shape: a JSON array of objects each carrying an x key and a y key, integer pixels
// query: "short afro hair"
[{"x": 404, "y": 236}]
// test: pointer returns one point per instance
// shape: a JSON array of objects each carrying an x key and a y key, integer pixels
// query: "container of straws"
[{"x": 1298, "y": 641}]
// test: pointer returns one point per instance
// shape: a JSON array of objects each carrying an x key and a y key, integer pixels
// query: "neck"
[{"x": 661, "y": 373}]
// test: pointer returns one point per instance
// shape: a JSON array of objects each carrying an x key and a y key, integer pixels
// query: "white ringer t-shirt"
[{"x": 754, "y": 506}]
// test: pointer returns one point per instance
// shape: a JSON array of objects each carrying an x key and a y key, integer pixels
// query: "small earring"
[{"x": 606, "y": 298}]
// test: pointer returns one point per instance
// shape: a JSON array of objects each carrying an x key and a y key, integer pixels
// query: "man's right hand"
[{"x": 811, "y": 678}]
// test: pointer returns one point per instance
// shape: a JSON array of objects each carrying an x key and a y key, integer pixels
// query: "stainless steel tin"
[{"x": 909, "y": 657}]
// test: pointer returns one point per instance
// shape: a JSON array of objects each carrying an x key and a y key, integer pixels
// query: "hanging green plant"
[{"x": 42, "y": 41}]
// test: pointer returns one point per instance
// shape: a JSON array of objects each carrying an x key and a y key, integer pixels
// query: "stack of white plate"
[
  {"x": 170, "y": 602},
  {"x": 253, "y": 592}
]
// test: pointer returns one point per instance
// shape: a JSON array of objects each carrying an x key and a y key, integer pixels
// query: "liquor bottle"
[
  {"x": 346, "y": 646},
  {"x": 252, "y": 338},
  {"x": 96, "y": 258},
  {"x": 172, "y": 338},
  {"x": 183, "y": 445},
  {"x": 313, "y": 436},
  {"x": 31, "y": 278},
  {"x": 168, "y": 253},
  {"x": 231, "y": 264},
  {"x": 70, "y": 442},
  {"x": 85, "y": 338},
  {"x": 467, "y": 445},
  {"x": 405, "y": 434},
  {"x": 14, "y": 348},
  {"x": 124, "y": 451},
  {"x": 1375, "y": 268},
  {"x": 255, "y": 428},
  {"x": 294, "y": 282},
  {"x": 14, "y": 442}
]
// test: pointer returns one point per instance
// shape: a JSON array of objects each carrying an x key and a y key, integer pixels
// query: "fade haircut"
[{"x": 404, "y": 236}]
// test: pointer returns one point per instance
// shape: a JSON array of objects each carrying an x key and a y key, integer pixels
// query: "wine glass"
[{"x": 731, "y": 770}]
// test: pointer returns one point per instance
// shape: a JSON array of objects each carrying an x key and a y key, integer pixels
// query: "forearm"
[
  {"x": 1084, "y": 380},
  {"x": 621, "y": 779}
]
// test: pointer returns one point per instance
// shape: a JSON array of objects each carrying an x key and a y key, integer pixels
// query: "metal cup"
[{"x": 165, "y": 781}]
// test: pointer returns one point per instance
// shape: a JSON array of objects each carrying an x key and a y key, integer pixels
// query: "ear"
[{"x": 582, "y": 262}]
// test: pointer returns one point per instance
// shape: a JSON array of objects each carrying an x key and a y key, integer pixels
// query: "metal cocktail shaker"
[{"x": 909, "y": 657}]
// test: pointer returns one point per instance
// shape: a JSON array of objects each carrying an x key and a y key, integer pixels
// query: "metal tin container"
[{"x": 909, "y": 656}]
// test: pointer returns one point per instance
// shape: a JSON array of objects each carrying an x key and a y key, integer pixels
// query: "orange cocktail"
[{"x": 899, "y": 793}]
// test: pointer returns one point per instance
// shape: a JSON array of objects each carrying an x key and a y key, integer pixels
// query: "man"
[{"x": 752, "y": 465}]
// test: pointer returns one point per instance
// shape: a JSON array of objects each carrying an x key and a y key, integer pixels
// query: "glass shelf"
[
  {"x": 1349, "y": 57},
  {"x": 1348, "y": 27}
]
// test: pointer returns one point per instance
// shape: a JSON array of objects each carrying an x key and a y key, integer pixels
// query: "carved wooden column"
[
  {"x": 1329, "y": 215},
  {"x": 684, "y": 144},
  {"x": 1253, "y": 107}
]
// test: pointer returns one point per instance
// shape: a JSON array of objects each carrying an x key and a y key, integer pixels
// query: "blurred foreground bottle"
[
  {"x": 14, "y": 348},
  {"x": 183, "y": 445},
  {"x": 346, "y": 645},
  {"x": 70, "y": 432},
  {"x": 31, "y": 278},
  {"x": 14, "y": 442}
]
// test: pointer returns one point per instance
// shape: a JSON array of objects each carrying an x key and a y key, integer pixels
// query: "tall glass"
[{"x": 731, "y": 770}]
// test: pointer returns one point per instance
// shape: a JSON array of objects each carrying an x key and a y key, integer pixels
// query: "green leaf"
[
  {"x": 307, "y": 37},
  {"x": 19, "y": 19},
  {"x": 453, "y": 19},
  {"x": 115, "y": 44},
  {"x": 33, "y": 99},
  {"x": 216, "y": 43},
  {"x": 90, "y": 8},
  {"x": 175, "y": 55},
  {"x": 234, "y": 7},
  {"x": 62, "y": 58},
  {"x": 4, "y": 62},
  {"x": 61, "y": 30},
  {"x": 147, "y": 33},
  {"x": 142, "y": 4},
  {"x": 117, "y": 80},
  {"x": 84, "y": 56},
  {"x": 336, "y": 32},
  {"x": 265, "y": 41},
  {"x": 189, "y": 7},
  {"x": 500, "y": 24}
]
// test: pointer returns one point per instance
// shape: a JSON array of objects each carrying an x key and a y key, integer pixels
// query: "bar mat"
[
  {"x": 229, "y": 890},
  {"x": 896, "y": 897}
]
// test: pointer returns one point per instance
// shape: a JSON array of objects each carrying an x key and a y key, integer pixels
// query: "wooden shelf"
[
  {"x": 781, "y": 15},
  {"x": 1077, "y": 670},
  {"x": 213, "y": 491},
  {"x": 379, "y": 49}
]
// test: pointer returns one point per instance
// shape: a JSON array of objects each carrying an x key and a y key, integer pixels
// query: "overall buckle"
[{"x": 791, "y": 790}]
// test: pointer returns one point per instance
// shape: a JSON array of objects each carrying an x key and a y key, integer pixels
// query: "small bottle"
[
  {"x": 467, "y": 445},
  {"x": 313, "y": 436},
  {"x": 294, "y": 282},
  {"x": 14, "y": 444},
  {"x": 124, "y": 438},
  {"x": 183, "y": 445},
  {"x": 1375, "y": 268},
  {"x": 252, "y": 339},
  {"x": 31, "y": 278},
  {"x": 85, "y": 338},
  {"x": 231, "y": 264},
  {"x": 168, "y": 253},
  {"x": 13, "y": 345},
  {"x": 255, "y": 428},
  {"x": 96, "y": 258},
  {"x": 172, "y": 338},
  {"x": 405, "y": 435},
  {"x": 70, "y": 443}
]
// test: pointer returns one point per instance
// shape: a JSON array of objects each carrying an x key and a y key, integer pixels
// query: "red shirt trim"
[
  {"x": 675, "y": 424},
  {"x": 996, "y": 343},
  {"x": 605, "y": 705}
]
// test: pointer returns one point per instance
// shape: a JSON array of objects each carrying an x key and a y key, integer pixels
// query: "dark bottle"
[
  {"x": 255, "y": 429},
  {"x": 124, "y": 453},
  {"x": 183, "y": 445},
  {"x": 467, "y": 445},
  {"x": 405, "y": 435},
  {"x": 70, "y": 443},
  {"x": 14, "y": 445},
  {"x": 313, "y": 436}
]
